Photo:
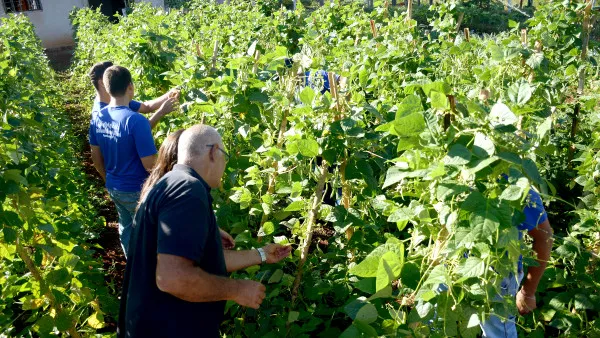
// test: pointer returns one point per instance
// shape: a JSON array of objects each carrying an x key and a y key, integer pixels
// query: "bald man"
[{"x": 176, "y": 280}]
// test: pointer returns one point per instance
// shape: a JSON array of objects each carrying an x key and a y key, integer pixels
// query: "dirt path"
[{"x": 77, "y": 108}]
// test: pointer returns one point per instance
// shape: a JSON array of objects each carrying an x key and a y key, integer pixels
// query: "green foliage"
[
  {"x": 50, "y": 279},
  {"x": 417, "y": 139}
]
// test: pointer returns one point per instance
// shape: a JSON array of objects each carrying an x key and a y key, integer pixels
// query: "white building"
[{"x": 51, "y": 17}]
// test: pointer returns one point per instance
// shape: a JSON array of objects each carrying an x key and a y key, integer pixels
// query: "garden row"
[
  {"x": 52, "y": 282},
  {"x": 382, "y": 184},
  {"x": 388, "y": 180}
]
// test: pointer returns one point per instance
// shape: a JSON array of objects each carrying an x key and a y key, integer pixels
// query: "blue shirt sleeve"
[
  {"x": 183, "y": 226},
  {"x": 142, "y": 136},
  {"x": 92, "y": 135},
  {"x": 534, "y": 211},
  {"x": 135, "y": 105}
]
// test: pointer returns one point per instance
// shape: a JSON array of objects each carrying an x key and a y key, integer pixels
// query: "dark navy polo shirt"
[{"x": 175, "y": 218}]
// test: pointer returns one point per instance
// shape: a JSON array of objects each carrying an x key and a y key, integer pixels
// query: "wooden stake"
[
  {"x": 256, "y": 57},
  {"x": 581, "y": 81},
  {"x": 346, "y": 194},
  {"x": 448, "y": 115},
  {"x": 409, "y": 8},
  {"x": 524, "y": 37},
  {"x": 459, "y": 21},
  {"x": 333, "y": 89},
  {"x": 199, "y": 51},
  {"x": 373, "y": 29},
  {"x": 214, "y": 56},
  {"x": 467, "y": 35}
]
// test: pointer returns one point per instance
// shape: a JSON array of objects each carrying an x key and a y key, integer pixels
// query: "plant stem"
[
  {"x": 37, "y": 275},
  {"x": 312, "y": 220},
  {"x": 273, "y": 178}
]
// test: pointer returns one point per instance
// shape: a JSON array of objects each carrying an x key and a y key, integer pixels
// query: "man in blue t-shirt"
[
  {"x": 161, "y": 105},
  {"x": 122, "y": 146},
  {"x": 537, "y": 225}
]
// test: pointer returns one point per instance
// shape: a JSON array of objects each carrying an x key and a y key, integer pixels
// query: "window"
[{"x": 15, "y": 6}]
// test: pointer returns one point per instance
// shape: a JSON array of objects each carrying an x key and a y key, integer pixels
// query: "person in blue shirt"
[
  {"x": 122, "y": 147},
  {"x": 161, "y": 105},
  {"x": 537, "y": 225},
  {"x": 308, "y": 82}
]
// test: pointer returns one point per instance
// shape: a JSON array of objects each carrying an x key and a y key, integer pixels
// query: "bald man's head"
[
  {"x": 194, "y": 140},
  {"x": 201, "y": 148}
]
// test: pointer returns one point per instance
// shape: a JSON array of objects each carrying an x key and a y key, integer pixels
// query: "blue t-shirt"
[
  {"x": 534, "y": 211},
  {"x": 98, "y": 106},
  {"x": 535, "y": 214},
  {"x": 124, "y": 137},
  {"x": 323, "y": 74}
]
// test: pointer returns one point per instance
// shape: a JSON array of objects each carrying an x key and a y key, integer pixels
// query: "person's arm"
[
  {"x": 148, "y": 162},
  {"x": 237, "y": 260},
  {"x": 152, "y": 105},
  {"x": 179, "y": 277},
  {"x": 166, "y": 107},
  {"x": 542, "y": 245},
  {"x": 98, "y": 161}
]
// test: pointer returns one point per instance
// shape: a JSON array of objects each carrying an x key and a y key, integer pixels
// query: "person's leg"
[
  {"x": 496, "y": 327},
  {"x": 126, "y": 203}
]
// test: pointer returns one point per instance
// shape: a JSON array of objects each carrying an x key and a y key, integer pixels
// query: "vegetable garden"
[{"x": 383, "y": 184}]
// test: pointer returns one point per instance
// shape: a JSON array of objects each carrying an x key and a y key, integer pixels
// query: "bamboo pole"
[
  {"x": 409, "y": 8},
  {"x": 467, "y": 35}
]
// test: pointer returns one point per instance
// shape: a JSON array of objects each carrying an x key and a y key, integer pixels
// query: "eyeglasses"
[{"x": 223, "y": 151}]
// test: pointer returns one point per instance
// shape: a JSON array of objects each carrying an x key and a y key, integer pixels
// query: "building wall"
[
  {"x": 156, "y": 3},
  {"x": 52, "y": 23}
]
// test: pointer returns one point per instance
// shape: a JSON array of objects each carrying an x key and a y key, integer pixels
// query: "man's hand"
[
  {"x": 525, "y": 303},
  {"x": 226, "y": 240},
  {"x": 276, "y": 252},
  {"x": 174, "y": 94},
  {"x": 168, "y": 106},
  {"x": 250, "y": 293}
]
